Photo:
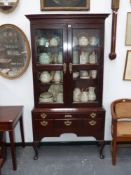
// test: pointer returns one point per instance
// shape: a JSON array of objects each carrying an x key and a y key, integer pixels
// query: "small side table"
[{"x": 9, "y": 117}]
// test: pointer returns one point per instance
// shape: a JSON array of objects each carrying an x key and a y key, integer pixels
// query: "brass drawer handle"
[
  {"x": 68, "y": 116},
  {"x": 43, "y": 115},
  {"x": 92, "y": 122},
  {"x": 68, "y": 123},
  {"x": 93, "y": 115},
  {"x": 44, "y": 123}
]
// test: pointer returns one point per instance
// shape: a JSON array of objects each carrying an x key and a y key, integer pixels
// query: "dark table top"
[{"x": 10, "y": 113}]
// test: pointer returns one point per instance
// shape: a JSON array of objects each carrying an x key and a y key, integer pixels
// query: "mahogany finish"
[
  {"x": 83, "y": 119},
  {"x": 121, "y": 124},
  {"x": 2, "y": 149},
  {"x": 9, "y": 117}
]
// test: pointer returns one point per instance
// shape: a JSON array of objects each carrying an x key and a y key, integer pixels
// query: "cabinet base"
[{"x": 100, "y": 144}]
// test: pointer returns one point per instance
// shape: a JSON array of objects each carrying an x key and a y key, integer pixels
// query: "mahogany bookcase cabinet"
[{"x": 67, "y": 57}]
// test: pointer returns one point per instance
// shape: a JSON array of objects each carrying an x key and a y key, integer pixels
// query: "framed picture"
[
  {"x": 128, "y": 30},
  {"x": 14, "y": 51},
  {"x": 7, "y": 6},
  {"x": 65, "y": 5},
  {"x": 127, "y": 70}
]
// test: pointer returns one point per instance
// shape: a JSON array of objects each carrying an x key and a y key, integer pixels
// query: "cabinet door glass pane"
[
  {"x": 49, "y": 46},
  {"x": 85, "y": 57},
  {"x": 51, "y": 89},
  {"x": 85, "y": 46}
]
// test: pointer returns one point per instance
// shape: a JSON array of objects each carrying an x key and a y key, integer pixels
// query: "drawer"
[
  {"x": 68, "y": 126},
  {"x": 42, "y": 127},
  {"x": 66, "y": 115},
  {"x": 94, "y": 125},
  {"x": 68, "y": 123},
  {"x": 55, "y": 115}
]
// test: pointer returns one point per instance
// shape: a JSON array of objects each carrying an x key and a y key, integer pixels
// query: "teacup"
[
  {"x": 84, "y": 73},
  {"x": 76, "y": 74}
]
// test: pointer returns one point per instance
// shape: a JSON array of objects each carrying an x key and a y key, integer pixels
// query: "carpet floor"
[{"x": 68, "y": 160}]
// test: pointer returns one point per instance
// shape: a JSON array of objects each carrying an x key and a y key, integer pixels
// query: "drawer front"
[
  {"x": 95, "y": 127},
  {"x": 68, "y": 123},
  {"x": 71, "y": 115},
  {"x": 42, "y": 128},
  {"x": 68, "y": 126}
]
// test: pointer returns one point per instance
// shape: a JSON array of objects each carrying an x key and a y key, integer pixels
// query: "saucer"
[{"x": 85, "y": 77}]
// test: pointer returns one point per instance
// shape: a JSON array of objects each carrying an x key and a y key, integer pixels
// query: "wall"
[{"x": 20, "y": 91}]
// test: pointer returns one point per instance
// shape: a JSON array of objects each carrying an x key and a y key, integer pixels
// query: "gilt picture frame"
[
  {"x": 127, "y": 69},
  {"x": 8, "y": 6},
  {"x": 54, "y": 5},
  {"x": 128, "y": 30},
  {"x": 14, "y": 51}
]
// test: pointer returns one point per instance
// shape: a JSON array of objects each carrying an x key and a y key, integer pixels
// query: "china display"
[{"x": 67, "y": 56}]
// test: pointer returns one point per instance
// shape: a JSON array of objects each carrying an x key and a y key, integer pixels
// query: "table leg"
[
  {"x": 22, "y": 132},
  {"x": 13, "y": 150},
  {"x": 102, "y": 144}
]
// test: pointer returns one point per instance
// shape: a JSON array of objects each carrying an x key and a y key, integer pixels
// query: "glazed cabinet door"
[
  {"x": 50, "y": 64},
  {"x": 85, "y": 56}
]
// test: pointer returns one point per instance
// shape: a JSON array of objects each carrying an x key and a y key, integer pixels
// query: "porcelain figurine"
[
  {"x": 91, "y": 94},
  {"x": 57, "y": 77},
  {"x": 76, "y": 94},
  {"x": 59, "y": 97},
  {"x": 92, "y": 58},
  {"x": 84, "y": 57},
  {"x": 93, "y": 74},
  {"x": 84, "y": 97}
]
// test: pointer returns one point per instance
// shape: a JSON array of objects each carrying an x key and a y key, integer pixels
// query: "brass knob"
[
  {"x": 68, "y": 123},
  {"x": 68, "y": 116},
  {"x": 92, "y": 122},
  {"x": 93, "y": 115},
  {"x": 43, "y": 115},
  {"x": 44, "y": 123}
]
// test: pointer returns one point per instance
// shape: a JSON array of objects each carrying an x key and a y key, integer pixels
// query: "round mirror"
[
  {"x": 7, "y": 6},
  {"x": 14, "y": 51}
]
